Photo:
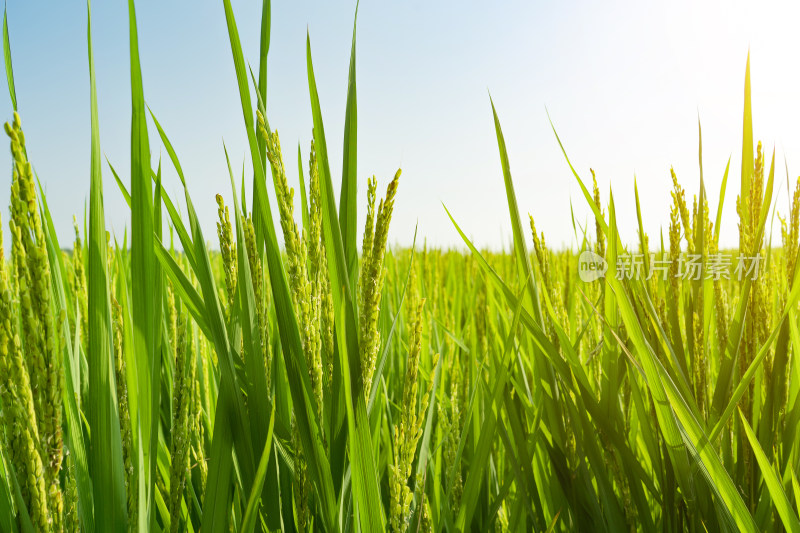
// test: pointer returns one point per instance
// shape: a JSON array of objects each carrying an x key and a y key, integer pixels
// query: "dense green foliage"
[{"x": 329, "y": 386}]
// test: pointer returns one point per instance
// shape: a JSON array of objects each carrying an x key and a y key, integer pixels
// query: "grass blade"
[
  {"x": 294, "y": 358},
  {"x": 347, "y": 197},
  {"x": 7, "y": 55},
  {"x": 105, "y": 451},
  {"x": 774, "y": 485},
  {"x": 249, "y": 520},
  {"x": 747, "y": 142},
  {"x": 144, "y": 272},
  {"x": 365, "y": 481}
]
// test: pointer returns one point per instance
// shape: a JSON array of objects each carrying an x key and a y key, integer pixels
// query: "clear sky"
[{"x": 624, "y": 83}]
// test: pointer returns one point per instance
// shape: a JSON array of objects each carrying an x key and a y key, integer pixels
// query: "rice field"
[{"x": 167, "y": 380}]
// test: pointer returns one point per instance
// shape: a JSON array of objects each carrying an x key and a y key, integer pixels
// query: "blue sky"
[{"x": 624, "y": 83}]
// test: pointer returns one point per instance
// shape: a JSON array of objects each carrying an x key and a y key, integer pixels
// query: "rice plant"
[{"x": 149, "y": 383}]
